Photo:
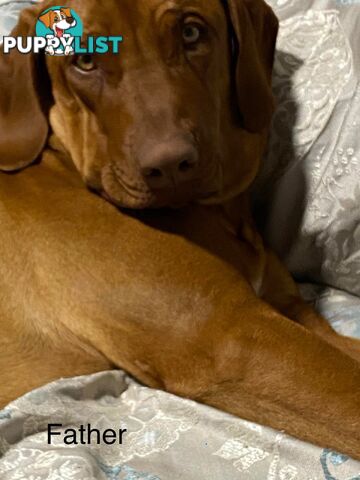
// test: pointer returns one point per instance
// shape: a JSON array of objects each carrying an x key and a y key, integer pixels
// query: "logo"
[
  {"x": 59, "y": 26},
  {"x": 59, "y": 32}
]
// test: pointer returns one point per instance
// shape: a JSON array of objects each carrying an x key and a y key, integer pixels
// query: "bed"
[{"x": 310, "y": 187}]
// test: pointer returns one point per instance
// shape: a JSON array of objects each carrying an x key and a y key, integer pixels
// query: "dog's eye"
[
  {"x": 85, "y": 63},
  {"x": 191, "y": 34}
]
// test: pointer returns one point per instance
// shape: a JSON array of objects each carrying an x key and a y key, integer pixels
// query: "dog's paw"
[
  {"x": 68, "y": 50},
  {"x": 50, "y": 50}
]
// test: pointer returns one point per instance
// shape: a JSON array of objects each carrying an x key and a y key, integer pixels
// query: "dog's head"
[
  {"x": 58, "y": 20},
  {"x": 181, "y": 114}
]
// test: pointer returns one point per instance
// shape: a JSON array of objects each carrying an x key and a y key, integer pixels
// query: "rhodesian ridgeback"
[{"x": 129, "y": 242}]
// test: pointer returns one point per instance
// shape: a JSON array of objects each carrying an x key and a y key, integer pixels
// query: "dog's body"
[
  {"x": 189, "y": 301},
  {"x": 168, "y": 298}
]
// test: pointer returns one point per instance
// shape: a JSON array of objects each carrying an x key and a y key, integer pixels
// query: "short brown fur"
[{"x": 186, "y": 300}]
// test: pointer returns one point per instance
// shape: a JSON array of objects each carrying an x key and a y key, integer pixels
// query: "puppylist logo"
[{"x": 59, "y": 32}]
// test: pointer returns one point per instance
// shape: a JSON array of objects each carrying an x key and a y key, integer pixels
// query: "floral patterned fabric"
[
  {"x": 311, "y": 182},
  {"x": 9, "y": 12},
  {"x": 168, "y": 438},
  {"x": 311, "y": 177}
]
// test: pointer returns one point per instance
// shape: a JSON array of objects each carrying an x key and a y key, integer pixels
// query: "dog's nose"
[
  {"x": 169, "y": 164},
  {"x": 70, "y": 20}
]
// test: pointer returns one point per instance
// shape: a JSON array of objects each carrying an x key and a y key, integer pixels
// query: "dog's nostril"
[
  {"x": 153, "y": 173},
  {"x": 169, "y": 163},
  {"x": 185, "y": 166}
]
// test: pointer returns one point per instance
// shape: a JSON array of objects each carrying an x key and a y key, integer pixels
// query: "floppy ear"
[
  {"x": 47, "y": 19},
  {"x": 67, "y": 11},
  {"x": 255, "y": 27},
  {"x": 23, "y": 84}
]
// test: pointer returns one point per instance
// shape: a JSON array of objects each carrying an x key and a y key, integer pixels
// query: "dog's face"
[
  {"x": 181, "y": 114},
  {"x": 58, "y": 20}
]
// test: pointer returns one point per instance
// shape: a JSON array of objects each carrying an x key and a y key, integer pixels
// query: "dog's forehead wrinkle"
[
  {"x": 114, "y": 16},
  {"x": 111, "y": 16},
  {"x": 210, "y": 8}
]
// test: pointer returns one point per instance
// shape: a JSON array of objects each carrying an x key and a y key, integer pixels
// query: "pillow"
[
  {"x": 310, "y": 183},
  {"x": 9, "y": 12}
]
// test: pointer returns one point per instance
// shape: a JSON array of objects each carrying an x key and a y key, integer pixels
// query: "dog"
[
  {"x": 168, "y": 278},
  {"x": 59, "y": 21}
]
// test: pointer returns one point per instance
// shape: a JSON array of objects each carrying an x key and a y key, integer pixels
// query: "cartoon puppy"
[{"x": 58, "y": 21}]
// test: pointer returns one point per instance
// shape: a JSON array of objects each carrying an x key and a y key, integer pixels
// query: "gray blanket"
[{"x": 167, "y": 438}]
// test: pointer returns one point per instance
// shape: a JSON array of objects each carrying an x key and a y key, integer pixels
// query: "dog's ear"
[
  {"x": 255, "y": 27},
  {"x": 47, "y": 18},
  {"x": 67, "y": 11},
  {"x": 23, "y": 85}
]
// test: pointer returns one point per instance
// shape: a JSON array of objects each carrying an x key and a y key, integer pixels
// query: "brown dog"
[{"x": 185, "y": 300}]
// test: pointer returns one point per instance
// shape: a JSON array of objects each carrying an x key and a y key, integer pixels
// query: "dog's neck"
[{"x": 58, "y": 149}]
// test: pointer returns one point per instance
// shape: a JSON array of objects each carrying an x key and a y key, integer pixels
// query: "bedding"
[
  {"x": 310, "y": 185},
  {"x": 310, "y": 182}
]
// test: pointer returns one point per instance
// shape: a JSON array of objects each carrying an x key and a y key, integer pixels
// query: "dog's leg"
[
  {"x": 28, "y": 362},
  {"x": 276, "y": 373},
  {"x": 282, "y": 293},
  {"x": 278, "y": 287},
  {"x": 246, "y": 359}
]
